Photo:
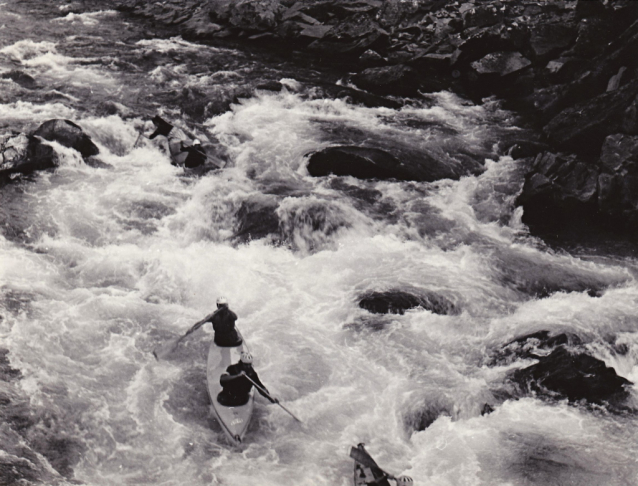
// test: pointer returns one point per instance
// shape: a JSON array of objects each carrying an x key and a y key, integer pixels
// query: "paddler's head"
[
  {"x": 246, "y": 358},
  {"x": 222, "y": 302}
]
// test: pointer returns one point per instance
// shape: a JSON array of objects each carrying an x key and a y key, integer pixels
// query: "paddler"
[
  {"x": 236, "y": 387},
  {"x": 226, "y": 334},
  {"x": 182, "y": 150}
]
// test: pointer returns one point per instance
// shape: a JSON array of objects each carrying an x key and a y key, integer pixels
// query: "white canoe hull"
[{"x": 233, "y": 420}]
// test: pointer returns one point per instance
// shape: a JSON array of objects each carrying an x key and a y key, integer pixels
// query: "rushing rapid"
[{"x": 99, "y": 265}]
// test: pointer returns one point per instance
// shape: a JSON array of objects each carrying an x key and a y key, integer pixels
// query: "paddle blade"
[{"x": 164, "y": 350}]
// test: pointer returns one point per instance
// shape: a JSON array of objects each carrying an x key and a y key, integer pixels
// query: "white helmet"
[
  {"x": 222, "y": 301},
  {"x": 246, "y": 357},
  {"x": 196, "y": 142},
  {"x": 404, "y": 481}
]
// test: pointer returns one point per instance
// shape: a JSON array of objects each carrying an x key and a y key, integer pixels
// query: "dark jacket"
[
  {"x": 236, "y": 391},
  {"x": 226, "y": 334}
]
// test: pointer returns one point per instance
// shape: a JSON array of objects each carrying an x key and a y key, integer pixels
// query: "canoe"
[
  {"x": 233, "y": 420},
  {"x": 368, "y": 473}
]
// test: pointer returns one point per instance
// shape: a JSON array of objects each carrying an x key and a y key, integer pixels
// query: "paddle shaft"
[{"x": 268, "y": 395}]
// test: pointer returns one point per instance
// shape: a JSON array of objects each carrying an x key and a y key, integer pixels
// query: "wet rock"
[
  {"x": 399, "y": 80},
  {"x": 572, "y": 375},
  {"x": 21, "y": 153},
  {"x": 367, "y": 99},
  {"x": 257, "y": 218},
  {"x": 482, "y": 16},
  {"x": 583, "y": 127},
  {"x": 501, "y": 63},
  {"x": 498, "y": 38},
  {"x": 532, "y": 346},
  {"x": 618, "y": 184},
  {"x": 371, "y": 58},
  {"x": 23, "y": 79},
  {"x": 560, "y": 188},
  {"x": 69, "y": 134},
  {"x": 548, "y": 40},
  {"x": 397, "y": 302},
  {"x": 254, "y": 14}
]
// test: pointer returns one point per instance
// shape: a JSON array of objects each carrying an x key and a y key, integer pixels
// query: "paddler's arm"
[
  {"x": 227, "y": 377},
  {"x": 201, "y": 323}
]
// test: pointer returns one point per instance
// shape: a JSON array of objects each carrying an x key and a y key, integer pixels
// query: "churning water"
[{"x": 99, "y": 265}]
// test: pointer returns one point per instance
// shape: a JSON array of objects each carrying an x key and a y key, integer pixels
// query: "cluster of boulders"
[
  {"x": 564, "y": 368},
  {"x": 568, "y": 65},
  {"x": 23, "y": 153}
]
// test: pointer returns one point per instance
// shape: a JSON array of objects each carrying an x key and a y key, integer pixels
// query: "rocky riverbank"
[{"x": 568, "y": 67}]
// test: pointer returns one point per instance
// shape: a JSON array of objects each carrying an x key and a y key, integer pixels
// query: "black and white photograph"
[{"x": 319, "y": 243}]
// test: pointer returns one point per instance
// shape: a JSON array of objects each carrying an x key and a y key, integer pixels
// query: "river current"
[{"x": 99, "y": 265}]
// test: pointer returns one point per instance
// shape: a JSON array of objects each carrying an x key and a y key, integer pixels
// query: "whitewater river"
[{"x": 99, "y": 265}]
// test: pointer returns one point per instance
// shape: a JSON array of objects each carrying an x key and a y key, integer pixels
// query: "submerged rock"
[
  {"x": 532, "y": 346},
  {"x": 398, "y": 301}
]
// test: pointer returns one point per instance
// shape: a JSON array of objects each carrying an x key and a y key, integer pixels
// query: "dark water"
[{"x": 100, "y": 265}]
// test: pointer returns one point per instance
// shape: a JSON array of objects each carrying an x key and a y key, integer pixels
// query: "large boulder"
[
  {"x": 582, "y": 128},
  {"x": 559, "y": 189},
  {"x": 398, "y": 80},
  {"x": 398, "y": 301},
  {"x": 374, "y": 163},
  {"x": 573, "y": 375},
  {"x": 67, "y": 133},
  {"x": 20, "y": 153},
  {"x": 501, "y": 63},
  {"x": 618, "y": 184}
]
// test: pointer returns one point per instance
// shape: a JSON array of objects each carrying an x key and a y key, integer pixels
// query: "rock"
[
  {"x": 615, "y": 80},
  {"x": 69, "y": 134},
  {"x": 257, "y": 219},
  {"x": 481, "y": 16},
  {"x": 618, "y": 185},
  {"x": 559, "y": 190},
  {"x": 532, "y": 346},
  {"x": 374, "y": 163},
  {"x": 492, "y": 39},
  {"x": 23, "y": 79},
  {"x": 575, "y": 376},
  {"x": 398, "y": 80},
  {"x": 583, "y": 127},
  {"x": 394, "y": 11},
  {"x": 619, "y": 153},
  {"x": 501, "y": 63},
  {"x": 589, "y": 8},
  {"x": 367, "y": 99},
  {"x": 548, "y": 40},
  {"x": 254, "y": 14},
  {"x": 371, "y": 58},
  {"x": 397, "y": 302},
  {"x": 20, "y": 153}
]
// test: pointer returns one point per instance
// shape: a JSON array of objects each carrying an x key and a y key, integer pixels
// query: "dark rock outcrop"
[
  {"x": 374, "y": 163},
  {"x": 573, "y": 375},
  {"x": 583, "y": 127},
  {"x": 570, "y": 67},
  {"x": 399, "y": 80},
  {"x": 560, "y": 189},
  {"x": 20, "y": 153},
  {"x": 69, "y": 134},
  {"x": 397, "y": 302}
]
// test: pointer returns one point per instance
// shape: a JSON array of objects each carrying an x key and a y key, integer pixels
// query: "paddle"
[
  {"x": 164, "y": 350},
  {"x": 362, "y": 457},
  {"x": 268, "y": 395}
]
